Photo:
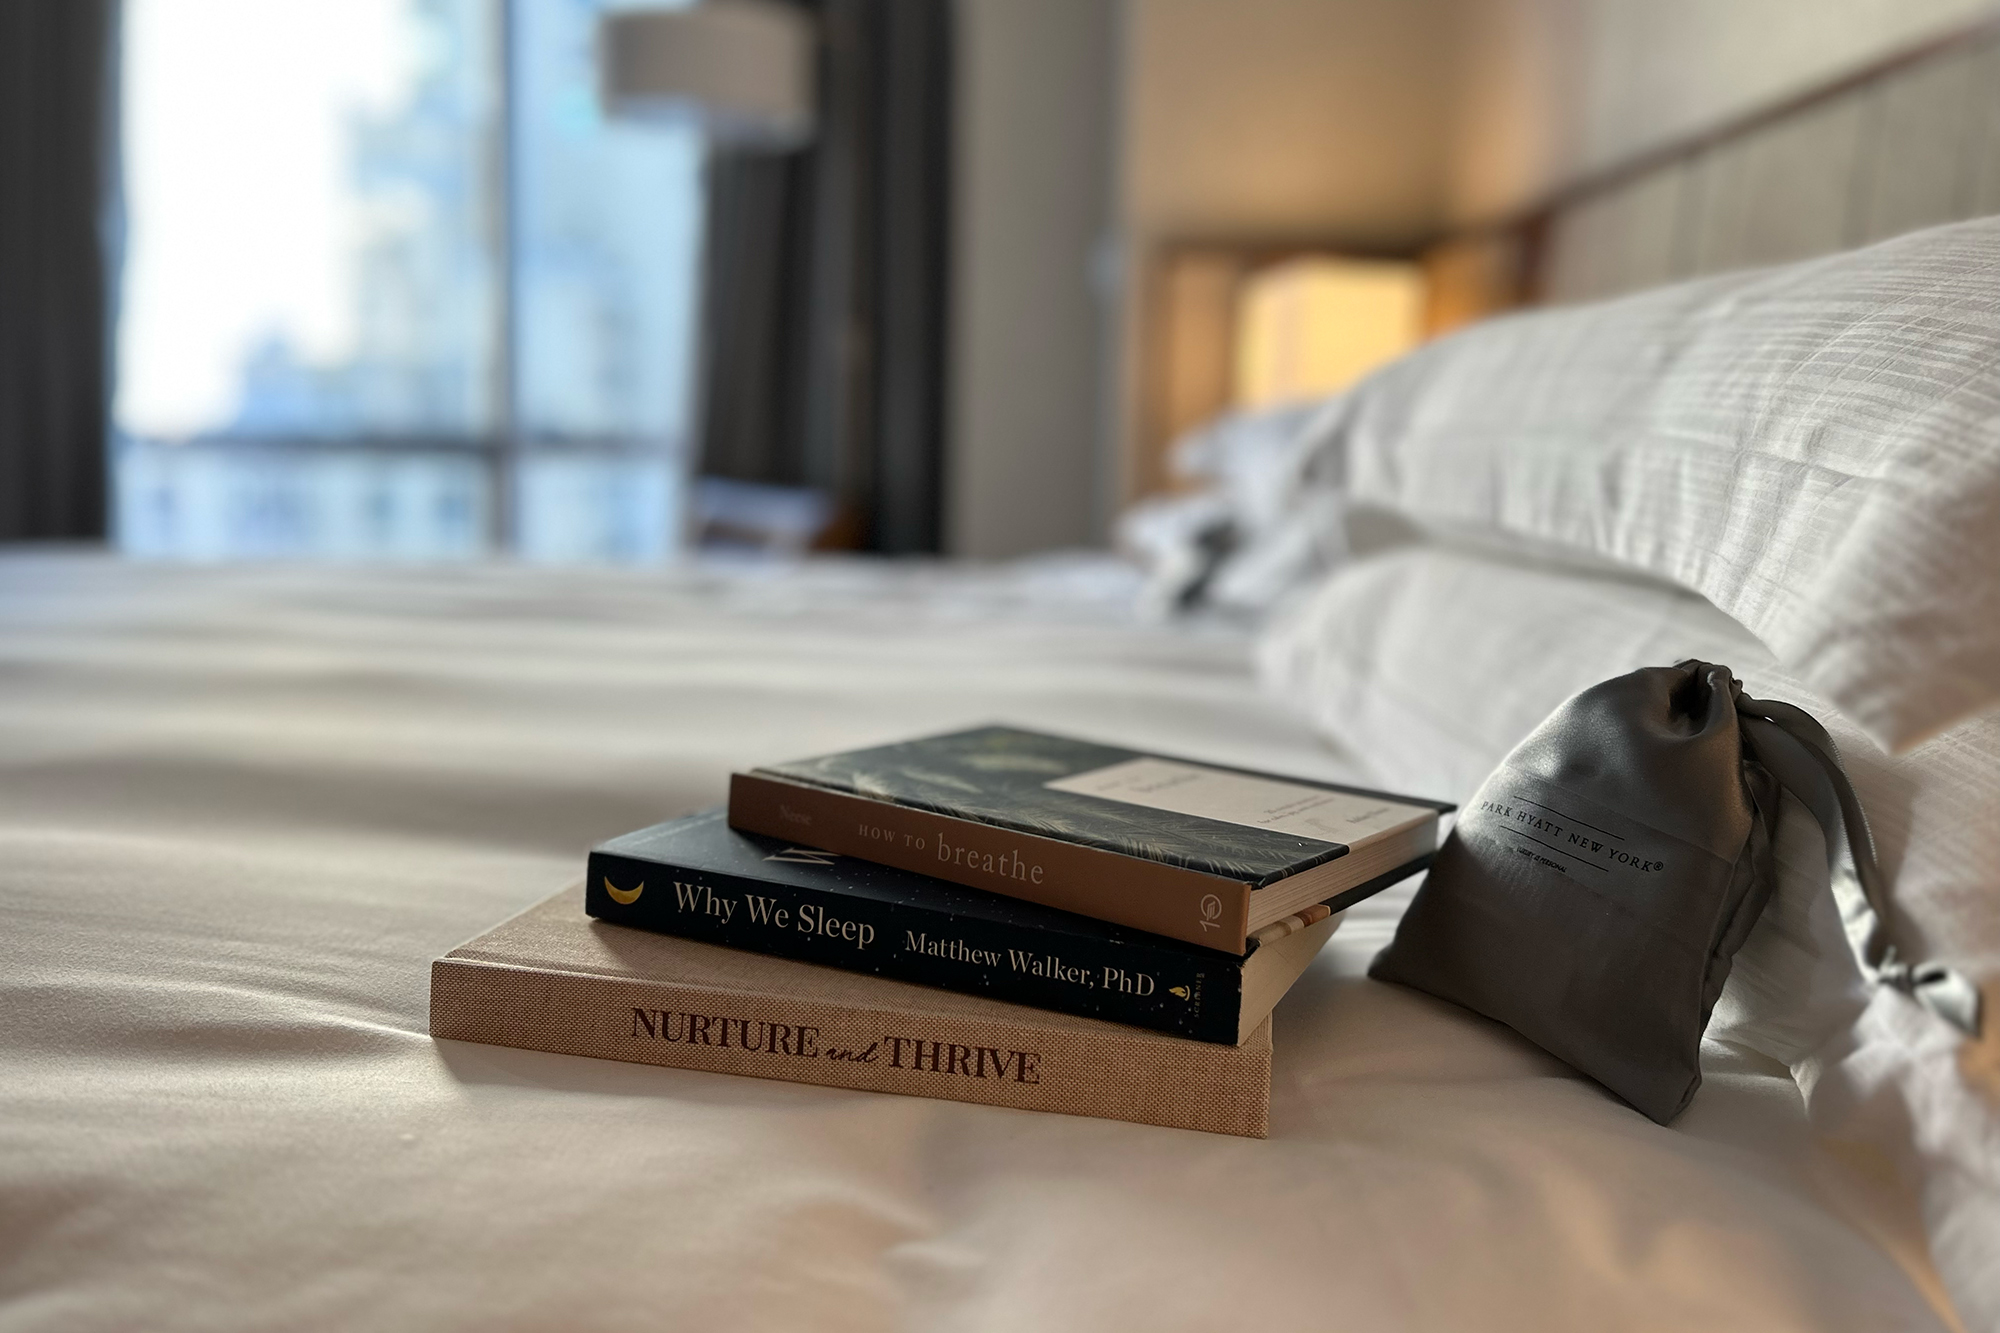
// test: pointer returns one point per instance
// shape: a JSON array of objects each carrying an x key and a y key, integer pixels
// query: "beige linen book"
[{"x": 552, "y": 979}]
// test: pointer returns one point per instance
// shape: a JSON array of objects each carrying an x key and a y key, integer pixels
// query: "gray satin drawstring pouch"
[{"x": 1596, "y": 888}]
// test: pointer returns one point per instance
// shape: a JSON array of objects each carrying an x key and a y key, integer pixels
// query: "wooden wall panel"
[
  {"x": 1186, "y": 354},
  {"x": 1470, "y": 278}
]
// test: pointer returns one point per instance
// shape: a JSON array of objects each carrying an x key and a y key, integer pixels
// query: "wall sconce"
[
  {"x": 741, "y": 70},
  {"x": 1314, "y": 325},
  {"x": 1254, "y": 324}
]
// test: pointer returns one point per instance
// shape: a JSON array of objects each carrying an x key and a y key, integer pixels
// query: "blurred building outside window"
[{"x": 394, "y": 288}]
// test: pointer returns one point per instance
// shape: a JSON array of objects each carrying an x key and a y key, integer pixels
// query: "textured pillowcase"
[
  {"x": 1427, "y": 665},
  {"x": 1814, "y": 448}
]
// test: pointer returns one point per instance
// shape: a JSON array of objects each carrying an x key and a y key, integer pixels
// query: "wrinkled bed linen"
[
  {"x": 241, "y": 809},
  {"x": 1877, "y": 1069}
]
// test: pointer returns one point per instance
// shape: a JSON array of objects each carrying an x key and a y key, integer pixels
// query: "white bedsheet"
[{"x": 241, "y": 809}]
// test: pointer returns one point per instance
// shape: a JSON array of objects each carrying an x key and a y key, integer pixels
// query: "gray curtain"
[
  {"x": 55, "y": 128},
  {"x": 824, "y": 309}
]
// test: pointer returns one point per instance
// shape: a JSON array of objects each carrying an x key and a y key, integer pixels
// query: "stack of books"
[{"x": 996, "y": 916}]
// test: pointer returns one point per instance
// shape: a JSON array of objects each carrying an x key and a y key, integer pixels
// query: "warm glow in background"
[{"x": 1313, "y": 326}]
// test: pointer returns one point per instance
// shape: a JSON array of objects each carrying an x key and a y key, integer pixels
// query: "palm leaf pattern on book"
[{"x": 995, "y": 775}]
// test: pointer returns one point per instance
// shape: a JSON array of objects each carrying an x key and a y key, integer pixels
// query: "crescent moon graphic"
[{"x": 626, "y": 896}]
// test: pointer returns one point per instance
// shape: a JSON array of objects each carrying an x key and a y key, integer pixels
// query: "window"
[{"x": 394, "y": 288}]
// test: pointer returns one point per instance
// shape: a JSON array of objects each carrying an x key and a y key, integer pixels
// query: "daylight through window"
[{"x": 394, "y": 288}]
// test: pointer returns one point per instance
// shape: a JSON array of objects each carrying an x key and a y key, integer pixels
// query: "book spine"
[
  {"x": 1108, "y": 1072},
  {"x": 1128, "y": 890},
  {"x": 1164, "y": 989}
]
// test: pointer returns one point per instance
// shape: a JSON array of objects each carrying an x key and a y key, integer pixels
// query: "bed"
[{"x": 242, "y": 808}]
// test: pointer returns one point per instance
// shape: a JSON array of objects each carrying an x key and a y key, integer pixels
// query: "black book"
[
  {"x": 1202, "y": 852},
  {"x": 702, "y": 880}
]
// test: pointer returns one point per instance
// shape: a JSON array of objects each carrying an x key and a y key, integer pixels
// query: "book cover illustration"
[{"x": 1255, "y": 828}]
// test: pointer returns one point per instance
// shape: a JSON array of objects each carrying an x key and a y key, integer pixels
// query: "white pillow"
[
  {"x": 1247, "y": 530},
  {"x": 1428, "y": 664},
  {"x": 1814, "y": 448}
]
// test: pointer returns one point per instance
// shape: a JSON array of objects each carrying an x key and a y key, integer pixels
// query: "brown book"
[
  {"x": 552, "y": 979},
  {"x": 1197, "y": 852}
]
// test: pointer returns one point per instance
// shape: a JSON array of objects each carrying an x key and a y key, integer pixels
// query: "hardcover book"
[
  {"x": 1198, "y": 852},
  {"x": 703, "y": 880},
  {"x": 553, "y": 979}
]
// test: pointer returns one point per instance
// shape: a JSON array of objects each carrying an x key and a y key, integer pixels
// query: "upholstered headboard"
[{"x": 1908, "y": 141}]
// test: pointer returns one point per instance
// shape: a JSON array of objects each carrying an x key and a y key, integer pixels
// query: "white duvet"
[{"x": 241, "y": 810}]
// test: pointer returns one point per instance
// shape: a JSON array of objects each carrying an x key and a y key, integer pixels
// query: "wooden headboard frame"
[{"x": 1908, "y": 140}]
